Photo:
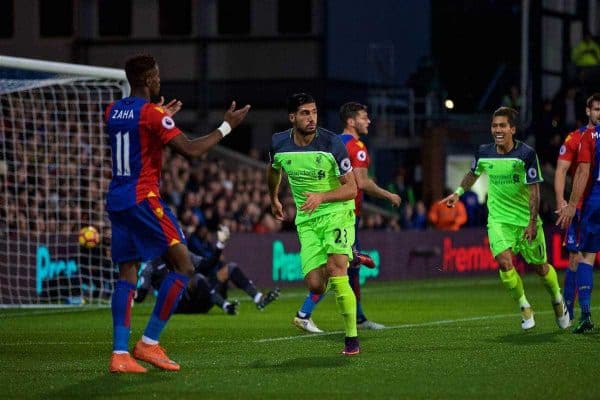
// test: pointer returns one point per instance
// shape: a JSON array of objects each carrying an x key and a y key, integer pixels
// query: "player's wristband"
[
  {"x": 225, "y": 128},
  {"x": 459, "y": 191}
]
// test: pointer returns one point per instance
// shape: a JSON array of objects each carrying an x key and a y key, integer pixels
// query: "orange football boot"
[
  {"x": 155, "y": 355},
  {"x": 125, "y": 363}
]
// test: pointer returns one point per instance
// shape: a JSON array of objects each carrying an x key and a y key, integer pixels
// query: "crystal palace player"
[
  {"x": 143, "y": 226},
  {"x": 586, "y": 185},
  {"x": 356, "y": 122},
  {"x": 567, "y": 163}
]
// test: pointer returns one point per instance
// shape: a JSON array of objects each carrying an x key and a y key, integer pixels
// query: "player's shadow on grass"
[
  {"x": 338, "y": 338},
  {"x": 527, "y": 338},
  {"x": 332, "y": 361},
  {"x": 115, "y": 385}
]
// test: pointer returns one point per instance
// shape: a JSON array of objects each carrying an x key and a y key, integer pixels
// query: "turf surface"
[{"x": 446, "y": 338}]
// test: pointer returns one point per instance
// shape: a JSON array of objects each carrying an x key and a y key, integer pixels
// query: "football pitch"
[{"x": 446, "y": 339}]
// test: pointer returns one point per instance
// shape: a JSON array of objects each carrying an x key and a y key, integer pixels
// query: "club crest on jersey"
[
  {"x": 346, "y": 165},
  {"x": 563, "y": 150},
  {"x": 361, "y": 155},
  {"x": 532, "y": 173},
  {"x": 168, "y": 122}
]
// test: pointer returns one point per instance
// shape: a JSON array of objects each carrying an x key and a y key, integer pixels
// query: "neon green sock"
[
  {"x": 346, "y": 302},
  {"x": 551, "y": 283},
  {"x": 512, "y": 281}
]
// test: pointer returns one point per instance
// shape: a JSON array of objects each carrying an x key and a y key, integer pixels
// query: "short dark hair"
[
  {"x": 298, "y": 99},
  {"x": 593, "y": 98},
  {"x": 351, "y": 110},
  {"x": 137, "y": 68},
  {"x": 510, "y": 113}
]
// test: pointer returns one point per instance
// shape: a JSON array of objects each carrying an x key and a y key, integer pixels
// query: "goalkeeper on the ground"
[{"x": 209, "y": 284}]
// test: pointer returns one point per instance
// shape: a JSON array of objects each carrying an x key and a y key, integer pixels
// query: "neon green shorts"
[
  {"x": 505, "y": 236},
  {"x": 323, "y": 235}
]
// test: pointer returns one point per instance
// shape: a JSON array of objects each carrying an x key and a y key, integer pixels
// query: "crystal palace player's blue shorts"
[
  {"x": 589, "y": 232},
  {"x": 571, "y": 240},
  {"x": 144, "y": 231}
]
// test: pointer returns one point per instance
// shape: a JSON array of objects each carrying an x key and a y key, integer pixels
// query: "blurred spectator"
[
  {"x": 585, "y": 57},
  {"x": 420, "y": 215},
  {"x": 447, "y": 218},
  {"x": 568, "y": 105},
  {"x": 400, "y": 187},
  {"x": 414, "y": 217},
  {"x": 473, "y": 208}
]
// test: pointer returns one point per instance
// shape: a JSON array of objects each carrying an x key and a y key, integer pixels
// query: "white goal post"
[{"x": 54, "y": 171}]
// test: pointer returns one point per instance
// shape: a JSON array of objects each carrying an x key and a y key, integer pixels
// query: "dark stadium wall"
[{"x": 353, "y": 26}]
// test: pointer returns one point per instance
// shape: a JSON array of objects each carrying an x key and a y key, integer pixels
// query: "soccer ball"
[{"x": 89, "y": 237}]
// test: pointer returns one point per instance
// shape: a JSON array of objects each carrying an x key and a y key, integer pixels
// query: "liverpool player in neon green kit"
[
  {"x": 323, "y": 186},
  {"x": 514, "y": 225}
]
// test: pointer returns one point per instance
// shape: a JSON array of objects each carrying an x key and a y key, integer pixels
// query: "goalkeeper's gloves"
[
  {"x": 230, "y": 308},
  {"x": 222, "y": 236}
]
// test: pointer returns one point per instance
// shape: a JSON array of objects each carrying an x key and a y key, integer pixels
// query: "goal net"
[{"x": 54, "y": 171}]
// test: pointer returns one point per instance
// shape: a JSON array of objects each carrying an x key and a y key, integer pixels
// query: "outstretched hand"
[
  {"x": 172, "y": 107},
  {"x": 449, "y": 200},
  {"x": 235, "y": 117}
]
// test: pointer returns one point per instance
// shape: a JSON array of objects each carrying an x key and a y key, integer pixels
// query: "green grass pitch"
[{"x": 446, "y": 339}]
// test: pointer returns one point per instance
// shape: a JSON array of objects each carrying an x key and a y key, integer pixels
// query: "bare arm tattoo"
[
  {"x": 469, "y": 179},
  {"x": 534, "y": 200}
]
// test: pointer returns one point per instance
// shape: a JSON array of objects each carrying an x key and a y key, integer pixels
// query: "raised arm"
[{"x": 199, "y": 146}]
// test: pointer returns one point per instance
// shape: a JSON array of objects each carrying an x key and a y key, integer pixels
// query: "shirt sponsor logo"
[{"x": 168, "y": 122}]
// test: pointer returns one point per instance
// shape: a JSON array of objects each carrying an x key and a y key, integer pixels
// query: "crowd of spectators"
[
  {"x": 54, "y": 167},
  {"x": 55, "y": 171}
]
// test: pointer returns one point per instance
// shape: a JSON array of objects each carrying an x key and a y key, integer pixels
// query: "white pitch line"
[
  {"x": 403, "y": 326},
  {"x": 301, "y": 336}
]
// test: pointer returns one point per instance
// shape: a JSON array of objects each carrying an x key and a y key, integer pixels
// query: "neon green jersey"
[
  {"x": 509, "y": 176},
  {"x": 314, "y": 168}
]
